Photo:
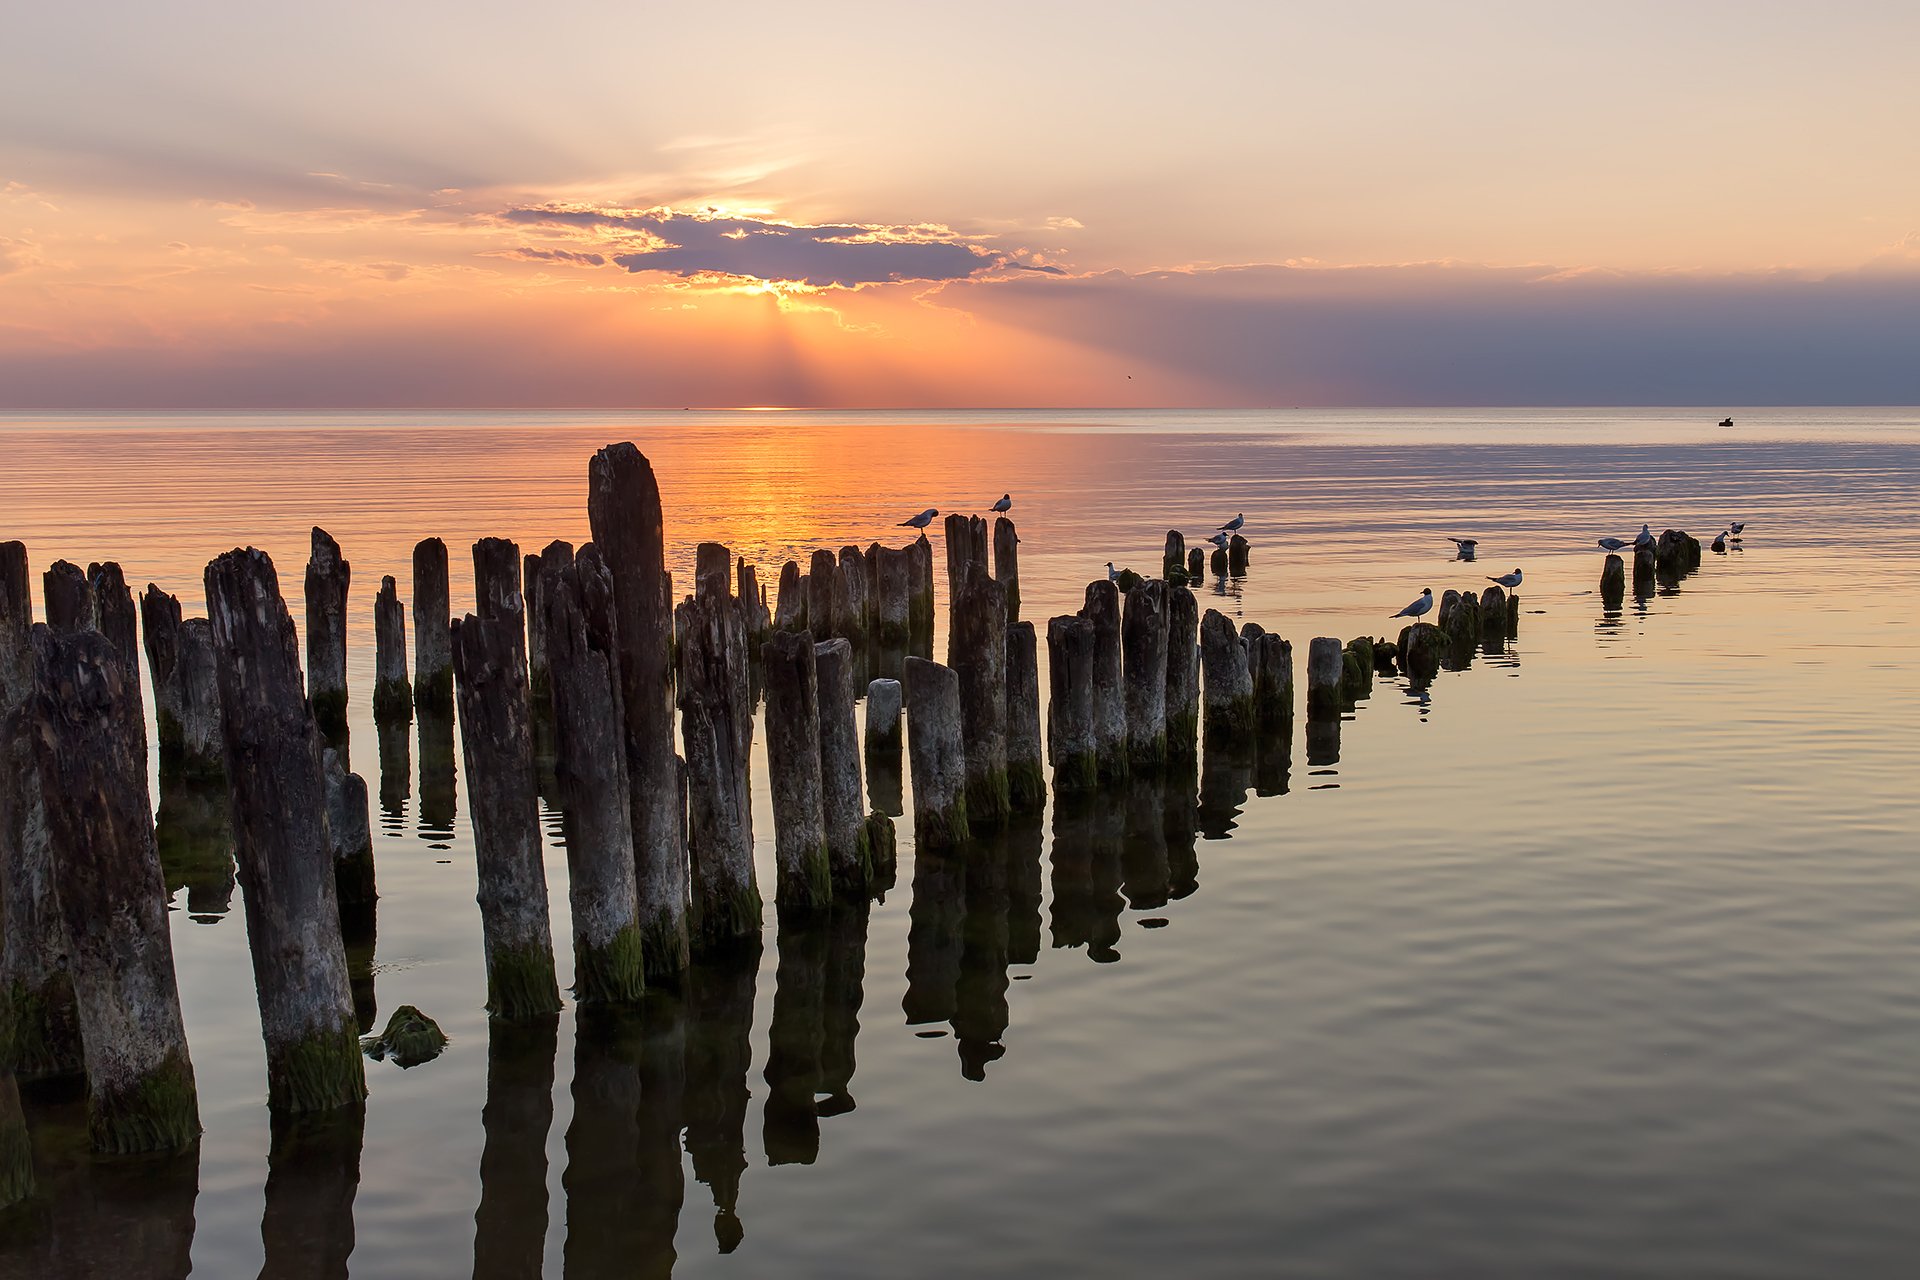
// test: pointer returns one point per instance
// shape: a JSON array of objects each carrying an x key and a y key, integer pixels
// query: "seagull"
[
  {"x": 1466, "y": 545},
  {"x": 1111, "y": 575},
  {"x": 1613, "y": 544},
  {"x": 1737, "y": 528},
  {"x": 1720, "y": 541},
  {"x": 1419, "y": 607},
  {"x": 1005, "y": 503},
  {"x": 920, "y": 521},
  {"x": 1233, "y": 525},
  {"x": 1646, "y": 537},
  {"x": 1220, "y": 539},
  {"x": 1508, "y": 580}
]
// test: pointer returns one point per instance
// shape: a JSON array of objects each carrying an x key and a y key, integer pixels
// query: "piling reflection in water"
[
  {"x": 439, "y": 779},
  {"x": 1088, "y": 833},
  {"x": 790, "y": 1127},
  {"x": 510, "y": 1226},
  {"x": 1226, "y": 775},
  {"x": 396, "y": 775},
  {"x": 313, "y": 1172},
  {"x": 720, "y": 995},
  {"x": 624, "y": 1180},
  {"x": 195, "y": 835}
]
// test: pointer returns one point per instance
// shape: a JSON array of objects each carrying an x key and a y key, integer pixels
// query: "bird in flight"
[
  {"x": 920, "y": 521},
  {"x": 1419, "y": 607},
  {"x": 1005, "y": 503}
]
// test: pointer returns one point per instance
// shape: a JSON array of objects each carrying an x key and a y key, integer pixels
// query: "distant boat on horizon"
[{"x": 1726, "y": 422}]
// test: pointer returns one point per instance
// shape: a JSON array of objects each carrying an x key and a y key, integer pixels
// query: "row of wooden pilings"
[{"x": 1674, "y": 553}]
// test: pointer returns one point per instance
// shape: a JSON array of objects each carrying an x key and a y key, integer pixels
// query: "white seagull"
[
  {"x": 1005, "y": 503},
  {"x": 920, "y": 521},
  {"x": 1737, "y": 528},
  {"x": 1220, "y": 539},
  {"x": 1466, "y": 545},
  {"x": 1233, "y": 525},
  {"x": 1645, "y": 538},
  {"x": 1419, "y": 607},
  {"x": 1508, "y": 580},
  {"x": 1612, "y": 544},
  {"x": 1111, "y": 575}
]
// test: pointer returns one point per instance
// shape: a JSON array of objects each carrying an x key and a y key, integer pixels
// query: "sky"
[{"x": 889, "y": 205}]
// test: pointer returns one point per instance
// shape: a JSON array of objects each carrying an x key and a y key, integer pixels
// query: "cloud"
[
  {"x": 845, "y": 255},
  {"x": 549, "y": 255},
  {"x": 17, "y": 255}
]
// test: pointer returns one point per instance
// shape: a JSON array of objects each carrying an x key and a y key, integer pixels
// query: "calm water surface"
[{"x": 1600, "y": 958}]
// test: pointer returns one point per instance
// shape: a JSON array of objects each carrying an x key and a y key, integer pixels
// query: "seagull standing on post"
[
  {"x": 1420, "y": 607},
  {"x": 1612, "y": 544},
  {"x": 920, "y": 521},
  {"x": 1645, "y": 539},
  {"x": 1233, "y": 525},
  {"x": 1508, "y": 580},
  {"x": 1005, "y": 504}
]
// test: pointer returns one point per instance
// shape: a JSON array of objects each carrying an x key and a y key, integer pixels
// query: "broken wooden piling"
[
  {"x": 1196, "y": 565},
  {"x": 790, "y": 610},
  {"x": 392, "y": 692},
  {"x": 349, "y": 836},
  {"x": 1102, "y": 608},
  {"x": 978, "y": 642},
  {"x": 1270, "y": 664},
  {"x": 804, "y": 877},
  {"x": 850, "y": 604},
  {"x": 1026, "y": 771},
  {"x": 496, "y": 740},
  {"x": 893, "y": 606},
  {"x": 624, "y": 509},
  {"x": 89, "y": 745},
  {"x": 1237, "y": 548},
  {"x": 328, "y": 579},
  {"x": 966, "y": 538},
  {"x": 1228, "y": 686},
  {"x": 1173, "y": 561},
  {"x": 936, "y": 754},
  {"x": 1006, "y": 563},
  {"x": 432, "y": 618},
  {"x": 1143, "y": 634},
  {"x": 1183, "y": 674},
  {"x": 538, "y": 575},
  {"x": 1071, "y": 742},
  {"x": 69, "y": 598},
  {"x": 1325, "y": 668},
  {"x": 755, "y": 619},
  {"x": 278, "y": 796},
  {"x": 842, "y": 801},
  {"x": 590, "y": 758},
  {"x": 822, "y": 571},
  {"x": 920, "y": 591},
  {"x": 883, "y": 740},
  {"x": 186, "y": 691},
  {"x": 1422, "y": 647}
]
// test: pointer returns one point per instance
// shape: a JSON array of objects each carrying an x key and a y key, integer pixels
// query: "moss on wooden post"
[
  {"x": 89, "y": 739},
  {"x": 278, "y": 794}
]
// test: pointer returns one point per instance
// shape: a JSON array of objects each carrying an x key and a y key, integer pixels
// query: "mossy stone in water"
[{"x": 410, "y": 1039}]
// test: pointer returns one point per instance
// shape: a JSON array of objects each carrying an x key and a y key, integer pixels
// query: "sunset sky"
[{"x": 1042, "y": 204}]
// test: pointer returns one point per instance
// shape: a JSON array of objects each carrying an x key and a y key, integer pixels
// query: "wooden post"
[
  {"x": 1324, "y": 670},
  {"x": 822, "y": 570},
  {"x": 1183, "y": 674},
  {"x": 89, "y": 744},
  {"x": 69, "y": 598},
  {"x": 1613, "y": 580},
  {"x": 186, "y": 695},
  {"x": 753, "y": 604},
  {"x": 1102, "y": 608},
  {"x": 793, "y": 772},
  {"x": 1645, "y": 564},
  {"x": 1217, "y": 562},
  {"x": 850, "y": 596},
  {"x": 1422, "y": 646},
  {"x": 1071, "y": 743},
  {"x": 1196, "y": 565},
  {"x": 893, "y": 626},
  {"x": 1462, "y": 625},
  {"x": 966, "y": 544},
  {"x": 497, "y": 571},
  {"x": 1006, "y": 563},
  {"x": 624, "y": 508},
  {"x": 1357, "y": 681},
  {"x": 920, "y": 588},
  {"x": 490, "y": 685},
  {"x": 278, "y": 796},
  {"x": 978, "y": 641},
  {"x": 392, "y": 693},
  {"x": 115, "y": 618},
  {"x": 1144, "y": 640},
  {"x": 35, "y": 977},
  {"x": 1493, "y": 618},
  {"x": 349, "y": 835},
  {"x": 1270, "y": 662},
  {"x": 432, "y": 617},
  {"x": 790, "y": 613},
  {"x": 1026, "y": 772},
  {"x": 883, "y": 720},
  {"x": 1229, "y": 679},
  {"x": 1173, "y": 561},
  {"x": 1237, "y": 556},
  {"x": 716, "y": 728},
  {"x": 589, "y": 739},
  {"x": 539, "y": 573},
  {"x": 328, "y": 577},
  {"x": 936, "y": 754},
  {"x": 842, "y": 803}
]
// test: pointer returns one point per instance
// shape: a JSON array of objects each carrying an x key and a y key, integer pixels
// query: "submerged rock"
[{"x": 410, "y": 1039}]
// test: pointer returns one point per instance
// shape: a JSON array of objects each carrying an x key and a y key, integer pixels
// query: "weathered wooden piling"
[
  {"x": 328, "y": 579},
  {"x": 822, "y": 570},
  {"x": 1217, "y": 562},
  {"x": 716, "y": 729},
  {"x": 349, "y": 835},
  {"x": 538, "y": 575},
  {"x": 1006, "y": 563},
  {"x": 1422, "y": 646},
  {"x": 1462, "y": 624},
  {"x": 432, "y": 618},
  {"x": 1356, "y": 681},
  {"x": 496, "y": 739},
  {"x": 186, "y": 692},
  {"x": 1183, "y": 674},
  {"x": 920, "y": 591},
  {"x": 978, "y": 640},
  {"x": 1645, "y": 564},
  {"x": 1676, "y": 552},
  {"x": 89, "y": 737},
  {"x": 392, "y": 692},
  {"x": 590, "y": 756},
  {"x": 69, "y": 598},
  {"x": 966, "y": 538},
  {"x": 790, "y": 610},
  {"x": 1324, "y": 671},
  {"x": 1026, "y": 770},
  {"x": 1229, "y": 678},
  {"x": 936, "y": 755},
  {"x": 805, "y": 880},
  {"x": 1196, "y": 565},
  {"x": 115, "y": 617},
  {"x": 43, "y": 1037},
  {"x": 497, "y": 572},
  {"x": 1493, "y": 618},
  {"x": 1102, "y": 609},
  {"x": 850, "y": 604},
  {"x": 883, "y": 720},
  {"x": 842, "y": 801},
  {"x": 893, "y": 606},
  {"x": 1270, "y": 664},
  {"x": 753, "y": 604},
  {"x": 1143, "y": 633},
  {"x": 278, "y": 795},
  {"x": 624, "y": 509},
  {"x": 1173, "y": 561},
  {"x": 1613, "y": 579},
  {"x": 1237, "y": 548},
  {"x": 1071, "y": 740}
]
